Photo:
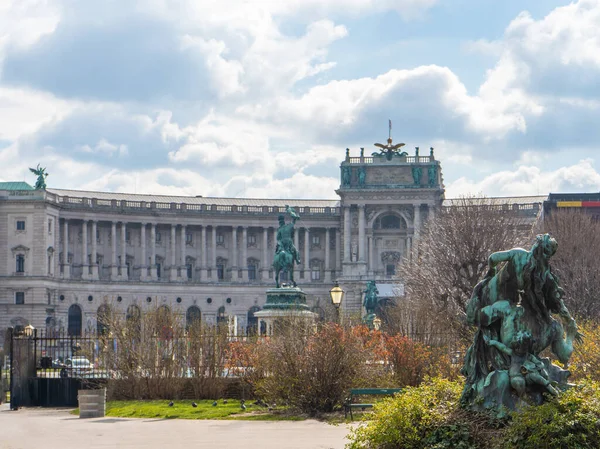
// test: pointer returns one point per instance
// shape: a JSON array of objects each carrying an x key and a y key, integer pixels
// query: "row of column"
[
  {"x": 362, "y": 243},
  {"x": 118, "y": 269}
]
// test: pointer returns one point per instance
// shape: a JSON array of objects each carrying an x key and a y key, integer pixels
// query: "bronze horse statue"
[{"x": 284, "y": 260}]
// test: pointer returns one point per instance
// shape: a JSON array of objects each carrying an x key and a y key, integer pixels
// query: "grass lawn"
[{"x": 184, "y": 410}]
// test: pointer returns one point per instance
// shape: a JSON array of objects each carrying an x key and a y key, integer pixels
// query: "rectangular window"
[
  {"x": 220, "y": 239},
  {"x": 252, "y": 272},
  {"x": 220, "y": 272},
  {"x": 158, "y": 270},
  {"x": 188, "y": 268},
  {"x": 316, "y": 239},
  {"x": 315, "y": 275},
  {"x": 20, "y": 263},
  {"x": 20, "y": 225},
  {"x": 390, "y": 269},
  {"x": 127, "y": 236},
  {"x": 128, "y": 264},
  {"x": 98, "y": 235},
  {"x": 19, "y": 297},
  {"x": 188, "y": 239},
  {"x": 49, "y": 226},
  {"x": 252, "y": 239}
]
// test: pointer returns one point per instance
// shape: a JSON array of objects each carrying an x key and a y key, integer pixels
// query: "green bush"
[
  {"x": 408, "y": 420},
  {"x": 570, "y": 421},
  {"x": 428, "y": 417}
]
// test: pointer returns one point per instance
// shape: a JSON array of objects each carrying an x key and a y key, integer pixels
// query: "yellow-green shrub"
[
  {"x": 570, "y": 421},
  {"x": 407, "y": 419}
]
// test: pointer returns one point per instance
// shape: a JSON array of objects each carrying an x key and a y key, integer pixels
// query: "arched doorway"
[
  {"x": 75, "y": 319},
  {"x": 193, "y": 317},
  {"x": 252, "y": 321},
  {"x": 221, "y": 317},
  {"x": 103, "y": 319}
]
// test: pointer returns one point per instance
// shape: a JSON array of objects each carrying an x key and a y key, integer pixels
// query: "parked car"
[{"x": 77, "y": 366}]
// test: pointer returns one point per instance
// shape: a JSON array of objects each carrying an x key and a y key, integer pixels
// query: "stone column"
[
  {"x": 234, "y": 255},
  {"x": 417, "y": 220},
  {"x": 114, "y": 270},
  {"x": 370, "y": 267},
  {"x": 144, "y": 261},
  {"x": 327, "y": 257},
  {"x": 409, "y": 247},
  {"x": 213, "y": 271},
  {"x": 124, "y": 275},
  {"x": 173, "y": 267},
  {"x": 362, "y": 252},
  {"x": 66, "y": 265},
  {"x": 183, "y": 271},
  {"x": 431, "y": 208},
  {"x": 245, "y": 253},
  {"x": 203, "y": 249},
  {"x": 297, "y": 242},
  {"x": 338, "y": 251},
  {"x": 265, "y": 257},
  {"x": 95, "y": 268},
  {"x": 85, "y": 265},
  {"x": 306, "y": 253},
  {"x": 153, "y": 268},
  {"x": 347, "y": 234}
]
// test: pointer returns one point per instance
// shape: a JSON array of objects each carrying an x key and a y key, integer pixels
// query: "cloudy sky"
[{"x": 260, "y": 98}]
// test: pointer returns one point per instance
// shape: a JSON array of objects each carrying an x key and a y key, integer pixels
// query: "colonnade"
[{"x": 151, "y": 264}]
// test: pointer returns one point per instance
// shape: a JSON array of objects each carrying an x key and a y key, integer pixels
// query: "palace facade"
[{"x": 66, "y": 253}]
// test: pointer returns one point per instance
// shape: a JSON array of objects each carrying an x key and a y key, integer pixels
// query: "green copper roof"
[{"x": 15, "y": 185}]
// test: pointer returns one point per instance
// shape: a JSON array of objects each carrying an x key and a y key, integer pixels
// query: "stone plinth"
[{"x": 284, "y": 302}]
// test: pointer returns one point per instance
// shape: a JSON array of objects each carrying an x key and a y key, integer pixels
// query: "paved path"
[{"x": 51, "y": 428}]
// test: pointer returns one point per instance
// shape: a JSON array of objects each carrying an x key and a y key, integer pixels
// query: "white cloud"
[
  {"x": 23, "y": 111},
  {"x": 530, "y": 180},
  {"x": 104, "y": 146}
]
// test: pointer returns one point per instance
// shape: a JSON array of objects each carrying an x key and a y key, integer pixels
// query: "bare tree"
[
  {"x": 576, "y": 260},
  {"x": 451, "y": 256}
]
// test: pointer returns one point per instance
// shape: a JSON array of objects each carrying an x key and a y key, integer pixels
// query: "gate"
[{"x": 48, "y": 368}]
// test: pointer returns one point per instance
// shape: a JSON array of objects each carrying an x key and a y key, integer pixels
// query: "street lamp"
[{"x": 337, "y": 294}]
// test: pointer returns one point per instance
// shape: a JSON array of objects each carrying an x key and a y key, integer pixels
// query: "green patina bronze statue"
[
  {"x": 40, "y": 172},
  {"x": 370, "y": 303},
  {"x": 286, "y": 254},
  {"x": 513, "y": 309}
]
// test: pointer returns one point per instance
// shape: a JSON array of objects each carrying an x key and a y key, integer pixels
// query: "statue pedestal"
[{"x": 284, "y": 302}]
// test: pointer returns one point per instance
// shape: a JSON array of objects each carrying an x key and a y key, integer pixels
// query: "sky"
[{"x": 260, "y": 98}]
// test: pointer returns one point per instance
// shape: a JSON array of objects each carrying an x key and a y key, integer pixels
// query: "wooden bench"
[{"x": 349, "y": 403}]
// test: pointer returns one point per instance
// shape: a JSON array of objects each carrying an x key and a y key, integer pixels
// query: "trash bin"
[{"x": 92, "y": 403}]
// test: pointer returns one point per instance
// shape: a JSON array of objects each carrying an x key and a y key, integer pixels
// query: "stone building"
[{"x": 66, "y": 253}]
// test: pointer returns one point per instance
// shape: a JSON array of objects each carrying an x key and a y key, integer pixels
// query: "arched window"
[
  {"x": 133, "y": 313},
  {"x": 389, "y": 221},
  {"x": 134, "y": 321},
  {"x": 252, "y": 321},
  {"x": 221, "y": 317},
  {"x": 192, "y": 317},
  {"x": 74, "y": 317},
  {"x": 102, "y": 319}
]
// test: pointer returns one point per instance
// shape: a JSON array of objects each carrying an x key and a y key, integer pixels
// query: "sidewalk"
[{"x": 56, "y": 428}]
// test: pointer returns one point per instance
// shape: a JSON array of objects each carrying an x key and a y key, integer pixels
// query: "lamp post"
[{"x": 337, "y": 294}]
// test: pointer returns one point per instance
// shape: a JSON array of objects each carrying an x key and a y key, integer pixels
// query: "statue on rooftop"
[
  {"x": 346, "y": 175},
  {"x": 432, "y": 175},
  {"x": 389, "y": 150},
  {"x": 286, "y": 254},
  {"x": 41, "y": 174},
  {"x": 513, "y": 309}
]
